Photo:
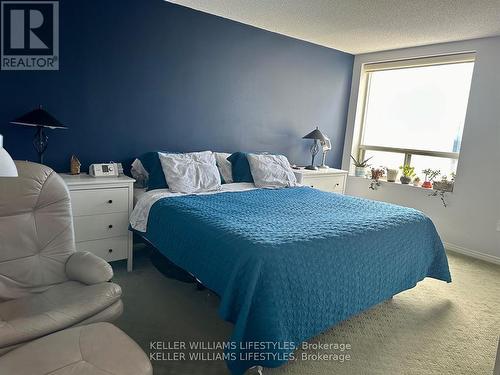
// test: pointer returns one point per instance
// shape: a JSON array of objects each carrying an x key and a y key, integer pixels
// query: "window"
[{"x": 414, "y": 112}]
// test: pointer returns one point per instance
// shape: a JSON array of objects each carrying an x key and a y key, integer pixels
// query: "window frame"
[{"x": 360, "y": 148}]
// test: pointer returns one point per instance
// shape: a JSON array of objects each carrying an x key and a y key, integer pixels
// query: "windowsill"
[{"x": 396, "y": 183}]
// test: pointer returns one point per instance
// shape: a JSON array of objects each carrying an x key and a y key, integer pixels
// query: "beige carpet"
[{"x": 434, "y": 328}]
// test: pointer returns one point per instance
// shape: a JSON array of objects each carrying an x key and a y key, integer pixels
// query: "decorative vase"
[
  {"x": 427, "y": 185},
  {"x": 360, "y": 171},
  {"x": 392, "y": 174},
  {"x": 405, "y": 180}
]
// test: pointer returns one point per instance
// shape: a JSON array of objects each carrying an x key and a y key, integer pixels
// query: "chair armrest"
[{"x": 88, "y": 268}]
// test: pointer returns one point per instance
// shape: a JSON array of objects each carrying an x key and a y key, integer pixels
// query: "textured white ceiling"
[{"x": 360, "y": 26}]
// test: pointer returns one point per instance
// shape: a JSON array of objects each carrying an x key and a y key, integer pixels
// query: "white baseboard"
[{"x": 472, "y": 253}]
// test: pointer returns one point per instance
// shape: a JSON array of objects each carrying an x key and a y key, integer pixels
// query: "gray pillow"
[
  {"x": 271, "y": 171},
  {"x": 224, "y": 166},
  {"x": 192, "y": 172}
]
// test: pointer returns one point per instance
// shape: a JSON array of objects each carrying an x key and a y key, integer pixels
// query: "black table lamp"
[
  {"x": 318, "y": 137},
  {"x": 40, "y": 119}
]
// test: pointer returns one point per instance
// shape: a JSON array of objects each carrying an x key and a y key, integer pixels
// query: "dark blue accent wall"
[{"x": 140, "y": 75}]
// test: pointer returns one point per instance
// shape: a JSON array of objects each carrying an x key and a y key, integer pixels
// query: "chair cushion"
[
  {"x": 59, "y": 307},
  {"x": 88, "y": 268},
  {"x": 95, "y": 349},
  {"x": 36, "y": 231}
]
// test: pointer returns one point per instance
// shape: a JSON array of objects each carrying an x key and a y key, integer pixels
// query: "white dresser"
[
  {"x": 101, "y": 209},
  {"x": 328, "y": 179}
]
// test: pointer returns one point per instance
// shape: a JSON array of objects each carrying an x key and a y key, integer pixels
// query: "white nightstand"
[
  {"x": 101, "y": 209},
  {"x": 331, "y": 179}
]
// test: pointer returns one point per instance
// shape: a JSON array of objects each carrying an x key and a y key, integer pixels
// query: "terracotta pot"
[{"x": 427, "y": 185}]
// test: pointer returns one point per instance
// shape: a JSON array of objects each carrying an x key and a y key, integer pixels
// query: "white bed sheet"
[
  {"x": 146, "y": 200},
  {"x": 138, "y": 193}
]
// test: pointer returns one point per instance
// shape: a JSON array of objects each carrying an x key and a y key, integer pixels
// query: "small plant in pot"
[
  {"x": 408, "y": 173},
  {"x": 444, "y": 184},
  {"x": 361, "y": 166},
  {"x": 430, "y": 175},
  {"x": 377, "y": 173},
  {"x": 443, "y": 187}
]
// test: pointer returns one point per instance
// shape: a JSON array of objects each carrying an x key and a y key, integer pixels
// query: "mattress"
[{"x": 290, "y": 263}]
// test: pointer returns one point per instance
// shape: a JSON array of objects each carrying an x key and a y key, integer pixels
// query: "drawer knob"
[
  {"x": 110, "y": 250},
  {"x": 110, "y": 226},
  {"x": 110, "y": 201},
  {"x": 337, "y": 184}
]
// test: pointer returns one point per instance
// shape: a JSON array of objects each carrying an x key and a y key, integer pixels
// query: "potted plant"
[
  {"x": 430, "y": 175},
  {"x": 443, "y": 187},
  {"x": 444, "y": 184},
  {"x": 361, "y": 166},
  {"x": 416, "y": 181},
  {"x": 408, "y": 172},
  {"x": 377, "y": 173},
  {"x": 392, "y": 174}
]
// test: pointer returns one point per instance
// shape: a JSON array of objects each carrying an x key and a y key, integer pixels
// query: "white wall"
[{"x": 469, "y": 224}]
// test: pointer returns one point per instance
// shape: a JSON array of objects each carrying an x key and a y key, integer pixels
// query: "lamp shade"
[
  {"x": 315, "y": 134},
  {"x": 39, "y": 117},
  {"x": 7, "y": 166}
]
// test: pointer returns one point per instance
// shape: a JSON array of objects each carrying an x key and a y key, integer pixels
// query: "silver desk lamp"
[{"x": 317, "y": 137}]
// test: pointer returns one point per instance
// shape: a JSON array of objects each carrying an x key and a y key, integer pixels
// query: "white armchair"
[{"x": 45, "y": 285}]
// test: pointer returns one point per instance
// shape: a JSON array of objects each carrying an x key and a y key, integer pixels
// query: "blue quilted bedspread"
[{"x": 290, "y": 263}]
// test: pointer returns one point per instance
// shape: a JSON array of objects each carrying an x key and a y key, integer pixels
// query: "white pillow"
[
  {"x": 224, "y": 166},
  {"x": 192, "y": 172},
  {"x": 271, "y": 171}
]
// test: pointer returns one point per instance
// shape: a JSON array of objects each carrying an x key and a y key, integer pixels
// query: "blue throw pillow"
[
  {"x": 151, "y": 163},
  {"x": 240, "y": 167}
]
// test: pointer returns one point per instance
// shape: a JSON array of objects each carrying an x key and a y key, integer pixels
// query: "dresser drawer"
[
  {"x": 325, "y": 183},
  {"x": 94, "y": 227},
  {"x": 109, "y": 249},
  {"x": 99, "y": 201}
]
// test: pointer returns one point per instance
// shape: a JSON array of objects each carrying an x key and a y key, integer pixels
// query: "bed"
[{"x": 290, "y": 263}]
